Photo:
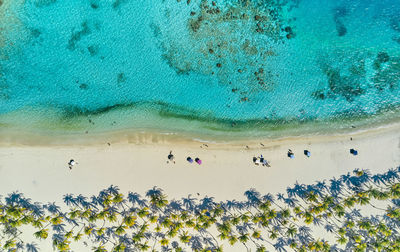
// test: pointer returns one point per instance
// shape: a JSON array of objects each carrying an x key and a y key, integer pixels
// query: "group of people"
[
  {"x": 256, "y": 160},
  {"x": 261, "y": 160},
  {"x": 171, "y": 158}
]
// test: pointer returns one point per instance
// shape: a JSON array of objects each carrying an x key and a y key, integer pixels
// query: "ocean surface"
[{"x": 223, "y": 67}]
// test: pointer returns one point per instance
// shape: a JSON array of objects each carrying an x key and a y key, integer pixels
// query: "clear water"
[{"x": 84, "y": 65}]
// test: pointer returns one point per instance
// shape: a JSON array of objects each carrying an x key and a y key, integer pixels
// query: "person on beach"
[
  {"x": 71, "y": 164},
  {"x": 171, "y": 157},
  {"x": 262, "y": 160},
  {"x": 307, "y": 153},
  {"x": 198, "y": 160},
  {"x": 189, "y": 159},
  {"x": 290, "y": 154},
  {"x": 256, "y": 161}
]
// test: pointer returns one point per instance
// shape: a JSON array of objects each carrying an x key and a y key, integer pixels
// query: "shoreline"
[
  {"x": 227, "y": 169},
  {"x": 139, "y": 163},
  {"x": 140, "y": 137},
  {"x": 30, "y": 127}
]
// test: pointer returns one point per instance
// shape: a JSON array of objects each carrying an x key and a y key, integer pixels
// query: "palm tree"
[
  {"x": 41, "y": 234},
  {"x": 291, "y": 231},
  {"x": 261, "y": 249}
]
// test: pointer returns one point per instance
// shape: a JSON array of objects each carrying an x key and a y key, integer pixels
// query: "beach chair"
[
  {"x": 290, "y": 154},
  {"x": 354, "y": 152}
]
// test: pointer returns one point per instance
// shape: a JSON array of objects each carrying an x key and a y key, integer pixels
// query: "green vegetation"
[{"x": 111, "y": 221}]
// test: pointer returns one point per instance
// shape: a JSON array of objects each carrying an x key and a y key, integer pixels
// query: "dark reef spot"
[
  {"x": 194, "y": 24},
  {"x": 288, "y": 29},
  {"x": 180, "y": 69},
  {"x": 382, "y": 57},
  {"x": 346, "y": 86},
  {"x": 1, "y": 2},
  {"x": 340, "y": 13},
  {"x": 35, "y": 32},
  {"x": 395, "y": 23},
  {"x": 117, "y": 3},
  {"x": 388, "y": 77},
  {"x": 396, "y": 39},
  {"x": 76, "y": 36},
  {"x": 215, "y": 26},
  {"x": 83, "y": 86},
  {"x": 319, "y": 95},
  {"x": 121, "y": 78},
  {"x": 93, "y": 50},
  {"x": 94, "y": 5},
  {"x": 340, "y": 28}
]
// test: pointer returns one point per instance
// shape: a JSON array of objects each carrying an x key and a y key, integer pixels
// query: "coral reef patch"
[{"x": 233, "y": 41}]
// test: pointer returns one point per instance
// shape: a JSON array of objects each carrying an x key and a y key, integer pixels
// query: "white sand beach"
[{"x": 139, "y": 162}]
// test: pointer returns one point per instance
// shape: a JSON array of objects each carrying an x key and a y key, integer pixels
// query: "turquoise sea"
[{"x": 223, "y": 67}]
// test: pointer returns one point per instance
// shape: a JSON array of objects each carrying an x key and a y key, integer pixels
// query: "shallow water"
[{"x": 238, "y": 66}]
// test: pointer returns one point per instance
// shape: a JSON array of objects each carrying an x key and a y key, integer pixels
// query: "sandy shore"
[{"x": 138, "y": 164}]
